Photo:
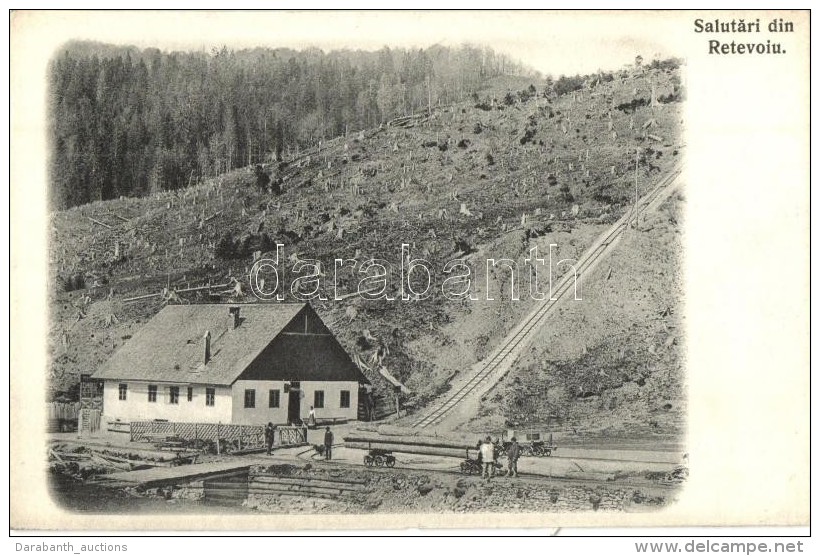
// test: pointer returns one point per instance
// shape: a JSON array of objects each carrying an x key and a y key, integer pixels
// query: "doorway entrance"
[{"x": 294, "y": 403}]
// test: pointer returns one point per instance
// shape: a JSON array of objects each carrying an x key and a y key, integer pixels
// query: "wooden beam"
[{"x": 100, "y": 223}]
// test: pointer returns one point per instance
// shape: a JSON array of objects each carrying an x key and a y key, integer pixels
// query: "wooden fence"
[
  {"x": 242, "y": 437},
  {"x": 247, "y": 435},
  {"x": 63, "y": 410},
  {"x": 62, "y": 416},
  {"x": 89, "y": 420},
  {"x": 292, "y": 436}
]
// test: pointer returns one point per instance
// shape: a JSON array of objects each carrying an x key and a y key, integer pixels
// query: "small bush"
[
  {"x": 634, "y": 104},
  {"x": 528, "y": 135},
  {"x": 72, "y": 283}
]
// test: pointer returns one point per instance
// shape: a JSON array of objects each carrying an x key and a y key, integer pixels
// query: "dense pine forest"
[{"x": 126, "y": 121}]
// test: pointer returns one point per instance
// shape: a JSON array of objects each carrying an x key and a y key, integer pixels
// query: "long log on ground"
[
  {"x": 143, "y": 453},
  {"x": 138, "y": 298},
  {"x": 258, "y": 487},
  {"x": 224, "y": 493},
  {"x": 251, "y": 450},
  {"x": 264, "y": 476},
  {"x": 70, "y": 456},
  {"x": 95, "y": 221},
  {"x": 200, "y": 288},
  {"x": 410, "y": 449},
  {"x": 408, "y": 441},
  {"x": 109, "y": 463},
  {"x": 382, "y": 431},
  {"x": 306, "y": 482}
]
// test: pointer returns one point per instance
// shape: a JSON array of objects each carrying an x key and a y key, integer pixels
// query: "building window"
[
  {"x": 210, "y": 396},
  {"x": 123, "y": 392},
  {"x": 319, "y": 398},
  {"x": 250, "y": 399},
  {"x": 273, "y": 398},
  {"x": 152, "y": 392},
  {"x": 190, "y": 393},
  {"x": 173, "y": 392},
  {"x": 344, "y": 398}
]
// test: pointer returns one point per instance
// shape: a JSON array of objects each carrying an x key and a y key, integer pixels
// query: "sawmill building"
[{"x": 240, "y": 364}]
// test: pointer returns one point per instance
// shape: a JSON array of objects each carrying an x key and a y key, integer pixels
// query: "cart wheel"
[
  {"x": 379, "y": 461},
  {"x": 391, "y": 461},
  {"x": 548, "y": 452},
  {"x": 466, "y": 468},
  {"x": 368, "y": 461}
]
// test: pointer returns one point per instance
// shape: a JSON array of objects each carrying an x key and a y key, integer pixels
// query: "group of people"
[{"x": 489, "y": 452}]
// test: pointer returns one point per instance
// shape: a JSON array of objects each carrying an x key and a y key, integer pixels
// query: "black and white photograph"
[{"x": 411, "y": 266}]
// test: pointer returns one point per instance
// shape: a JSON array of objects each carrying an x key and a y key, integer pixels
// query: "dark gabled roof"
[
  {"x": 170, "y": 347},
  {"x": 294, "y": 356}
]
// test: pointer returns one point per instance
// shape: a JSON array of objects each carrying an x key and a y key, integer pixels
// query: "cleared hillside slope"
[{"x": 479, "y": 179}]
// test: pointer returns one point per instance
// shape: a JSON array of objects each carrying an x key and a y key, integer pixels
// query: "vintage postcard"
[{"x": 364, "y": 270}]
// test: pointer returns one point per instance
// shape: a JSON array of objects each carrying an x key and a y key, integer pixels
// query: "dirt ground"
[
  {"x": 413, "y": 491},
  {"x": 612, "y": 364},
  {"x": 574, "y": 479}
]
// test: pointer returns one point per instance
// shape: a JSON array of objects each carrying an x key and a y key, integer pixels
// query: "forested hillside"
[
  {"x": 130, "y": 122},
  {"x": 523, "y": 163}
]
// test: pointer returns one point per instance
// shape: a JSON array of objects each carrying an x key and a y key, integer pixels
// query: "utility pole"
[{"x": 636, "y": 188}]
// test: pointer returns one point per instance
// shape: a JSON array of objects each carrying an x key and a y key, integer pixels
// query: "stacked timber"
[
  {"x": 407, "y": 443},
  {"x": 236, "y": 489}
]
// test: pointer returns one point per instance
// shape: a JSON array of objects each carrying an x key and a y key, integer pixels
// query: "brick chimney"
[
  {"x": 207, "y": 346},
  {"x": 235, "y": 312}
]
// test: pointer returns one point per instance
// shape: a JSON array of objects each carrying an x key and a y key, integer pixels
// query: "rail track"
[{"x": 491, "y": 370}]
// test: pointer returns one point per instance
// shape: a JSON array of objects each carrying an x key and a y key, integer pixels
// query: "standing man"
[
  {"x": 488, "y": 457},
  {"x": 328, "y": 443},
  {"x": 269, "y": 433},
  {"x": 513, "y": 453}
]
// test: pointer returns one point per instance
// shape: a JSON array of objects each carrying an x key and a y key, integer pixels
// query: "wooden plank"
[
  {"x": 334, "y": 481},
  {"x": 178, "y": 474},
  {"x": 276, "y": 486},
  {"x": 282, "y": 492}
]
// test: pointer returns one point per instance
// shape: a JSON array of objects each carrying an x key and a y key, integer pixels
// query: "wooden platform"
[{"x": 160, "y": 476}]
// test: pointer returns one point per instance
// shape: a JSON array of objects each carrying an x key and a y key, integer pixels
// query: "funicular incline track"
[{"x": 488, "y": 372}]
